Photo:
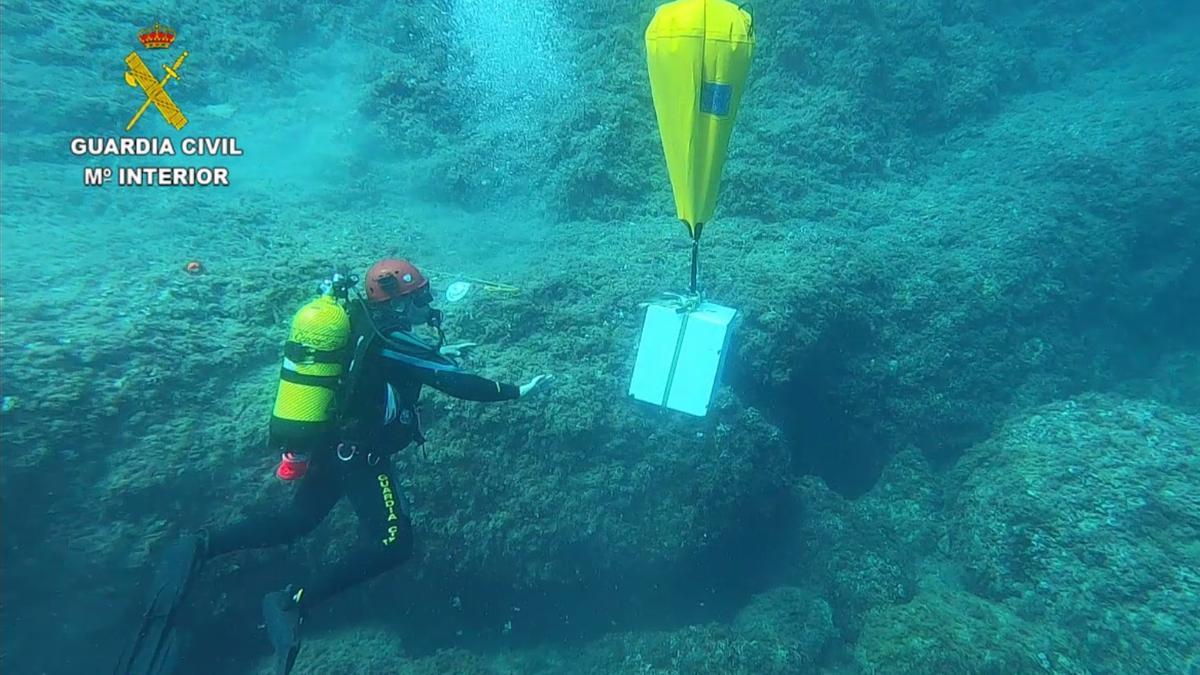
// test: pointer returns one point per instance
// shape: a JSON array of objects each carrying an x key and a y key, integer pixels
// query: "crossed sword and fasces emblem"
[{"x": 139, "y": 75}]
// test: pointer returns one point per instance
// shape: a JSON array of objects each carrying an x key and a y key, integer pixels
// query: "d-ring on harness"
[{"x": 347, "y": 451}]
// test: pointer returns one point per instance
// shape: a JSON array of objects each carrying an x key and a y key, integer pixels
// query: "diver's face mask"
[
  {"x": 415, "y": 309},
  {"x": 420, "y": 311}
]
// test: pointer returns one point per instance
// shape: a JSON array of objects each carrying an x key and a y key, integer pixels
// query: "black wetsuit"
[{"x": 387, "y": 384}]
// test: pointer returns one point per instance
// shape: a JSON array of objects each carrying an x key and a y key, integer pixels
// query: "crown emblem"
[{"x": 157, "y": 36}]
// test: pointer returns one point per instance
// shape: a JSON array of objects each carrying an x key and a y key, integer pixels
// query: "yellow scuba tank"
[{"x": 313, "y": 358}]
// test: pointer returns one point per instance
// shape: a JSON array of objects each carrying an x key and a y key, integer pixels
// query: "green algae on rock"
[
  {"x": 945, "y": 631},
  {"x": 1083, "y": 514}
]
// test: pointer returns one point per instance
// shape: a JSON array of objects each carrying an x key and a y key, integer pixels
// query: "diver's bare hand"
[
  {"x": 536, "y": 384},
  {"x": 458, "y": 350}
]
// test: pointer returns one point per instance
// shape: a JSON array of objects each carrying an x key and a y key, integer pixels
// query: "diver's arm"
[
  {"x": 453, "y": 382},
  {"x": 475, "y": 388},
  {"x": 469, "y": 387}
]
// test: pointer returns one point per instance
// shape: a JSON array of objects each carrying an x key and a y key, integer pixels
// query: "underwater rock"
[
  {"x": 375, "y": 650},
  {"x": 1083, "y": 514},
  {"x": 781, "y": 631},
  {"x": 945, "y": 631},
  {"x": 872, "y": 551},
  {"x": 788, "y": 618},
  {"x": 709, "y": 648},
  {"x": 591, "y": 491}
]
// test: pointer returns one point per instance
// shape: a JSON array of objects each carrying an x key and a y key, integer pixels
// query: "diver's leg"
[
  {"x": 316, "y": 494},
  {"x": 386, "y": 541},
  {"x": 155, "y": 648},
  {"x": 372, "y": 487}
]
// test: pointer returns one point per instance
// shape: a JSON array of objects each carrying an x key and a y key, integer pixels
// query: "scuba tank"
[
  {"x": 319, "y": 373},
  {"x": 313, "y": 359}
]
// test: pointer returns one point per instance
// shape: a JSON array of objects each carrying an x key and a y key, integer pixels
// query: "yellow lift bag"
[{"x": 698, "y": 53}]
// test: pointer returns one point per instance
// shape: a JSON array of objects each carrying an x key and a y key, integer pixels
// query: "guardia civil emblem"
[{"x": 139, "y": 76}]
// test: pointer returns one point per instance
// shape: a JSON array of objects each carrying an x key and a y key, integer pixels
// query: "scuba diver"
[{"x": 347, "y": 401}]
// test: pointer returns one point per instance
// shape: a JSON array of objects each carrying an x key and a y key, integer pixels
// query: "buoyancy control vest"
[{"x": 372, "y": 409}]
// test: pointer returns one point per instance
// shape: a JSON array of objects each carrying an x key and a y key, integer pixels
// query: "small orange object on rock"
[{"x": 194, "y": 267}]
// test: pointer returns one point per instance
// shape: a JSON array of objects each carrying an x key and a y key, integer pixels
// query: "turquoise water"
[{"x": 958, "y": 428}]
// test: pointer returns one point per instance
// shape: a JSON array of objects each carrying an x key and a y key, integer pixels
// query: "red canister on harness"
[{"x": 292, "y": 466}]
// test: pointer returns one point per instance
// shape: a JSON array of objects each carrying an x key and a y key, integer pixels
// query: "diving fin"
[
  {"x": 155, "y": 649},
  {"x": 281, "y": 613}
]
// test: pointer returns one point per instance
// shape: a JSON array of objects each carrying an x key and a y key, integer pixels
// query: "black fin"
[
  {"x": 156, "y": 647},
  {"x": 282, "y": 617}
]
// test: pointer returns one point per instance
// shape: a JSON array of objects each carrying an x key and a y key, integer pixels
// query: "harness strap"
[
  {"x": 301, "y": 353},
  {"x": 327, "y": 381}
]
